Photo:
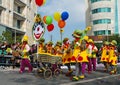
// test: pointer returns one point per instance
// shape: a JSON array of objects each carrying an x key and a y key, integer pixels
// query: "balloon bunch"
[
  {"x": 60, "y": 18},
  {"x": 48, "y": 21},
  {"x": 40, "y": 2}
]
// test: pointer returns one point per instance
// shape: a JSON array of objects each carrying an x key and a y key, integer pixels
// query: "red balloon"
[
  {"x": 39, "y": 2},
  {"x": 61, "y": 23},
  {"x": 44, "y": 19},
  {"x": 50, "y": 27}
]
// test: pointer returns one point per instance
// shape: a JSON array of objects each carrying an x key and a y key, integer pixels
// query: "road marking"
[{"x": 89, "y": 80}]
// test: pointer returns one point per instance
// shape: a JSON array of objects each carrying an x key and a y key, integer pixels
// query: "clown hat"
[
  {"x": 77, "y": 33},
  {"x": 65, "y": 40},
  {"x": 50, "y": 43},
  {"x": 90, "y": 41},
  {"x": 59, "y": 43},
  {"x": 106, "y": 43},
  {"x": 42, "y": 40},
  {"x": 25, "y": 38},
  {"x": 114, "y": 42}
]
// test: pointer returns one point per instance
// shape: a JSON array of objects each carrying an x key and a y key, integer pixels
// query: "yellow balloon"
[{"x": 57, "y": 16}]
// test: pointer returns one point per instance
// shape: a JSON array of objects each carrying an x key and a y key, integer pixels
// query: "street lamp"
[
  {"x": 107, "y": 32},
  {"x": 15, "y": 36}
]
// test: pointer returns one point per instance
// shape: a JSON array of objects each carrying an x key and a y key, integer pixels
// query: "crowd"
[{"x": 82, "y": 52}]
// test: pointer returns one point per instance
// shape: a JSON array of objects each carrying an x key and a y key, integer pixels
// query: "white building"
[
  {"x": 102, "y": 16},
  {"x": 17, "y": 16}
]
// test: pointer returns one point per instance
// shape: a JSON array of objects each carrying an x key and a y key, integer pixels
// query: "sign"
[{"x": 38, "y": 30}]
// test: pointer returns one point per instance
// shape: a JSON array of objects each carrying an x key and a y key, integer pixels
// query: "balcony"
[
  {"x": 18, "y": 16},
  {"x": 20, "y": 3},
  {"x": 1, "y": 6}
]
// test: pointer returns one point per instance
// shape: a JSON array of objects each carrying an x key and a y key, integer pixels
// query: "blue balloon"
[{"x": 64, "y": 15}]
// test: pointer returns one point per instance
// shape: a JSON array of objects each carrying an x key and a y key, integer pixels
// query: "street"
[{"x": 12, "y": 77}]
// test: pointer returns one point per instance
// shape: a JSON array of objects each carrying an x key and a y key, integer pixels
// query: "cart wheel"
[
  {"x": 57, "y": 72},
  {"x": 47, "y": 74}
]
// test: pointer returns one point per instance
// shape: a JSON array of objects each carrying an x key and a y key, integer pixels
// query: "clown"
[
  {"x": 49, "y": 47},
  {"x": 67, "y": 53},
  {"x": 113, "y": 57},
  {"x": 79, "y": 56},
  {"x": 25, "y": 62},
  {"x": 41, "y": 46},
  {"x": 105, "y": 55},
  {"x": 92, "y": 49},
  {"x": 58, "y": 49}
]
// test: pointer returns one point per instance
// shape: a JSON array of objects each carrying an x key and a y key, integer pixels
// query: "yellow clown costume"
[
  {"x": 113, "y": 56},
  {"x": 67, "y": 51},
  {"x": 105, "y": 52},
  {"x": 80, "y": 55},
  {"x": 41, "y": 46}
]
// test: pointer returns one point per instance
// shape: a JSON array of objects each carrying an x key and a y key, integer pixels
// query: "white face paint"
[{"x": 38, "y": 32}]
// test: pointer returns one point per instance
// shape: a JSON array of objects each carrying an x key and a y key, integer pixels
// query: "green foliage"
[
  {"x": 7, "y": 36},
  {"x": 1, "y": 39},
  {"x": 115, "y": 37}
]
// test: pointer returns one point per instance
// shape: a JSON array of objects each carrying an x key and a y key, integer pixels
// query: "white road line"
[{"x": 89, "y": 80}]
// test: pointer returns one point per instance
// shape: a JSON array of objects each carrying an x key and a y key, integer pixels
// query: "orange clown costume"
[
  {"x": 113, "y": 57},
  {"x": 80, "y": 55},
  {"x": 105, "y": 55},
  {"x": 67, "y": 53}
]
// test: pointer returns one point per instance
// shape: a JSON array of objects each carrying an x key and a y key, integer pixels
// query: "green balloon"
[{"x": 48, "y": 20}]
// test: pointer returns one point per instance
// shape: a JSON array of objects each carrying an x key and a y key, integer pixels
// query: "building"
[
  {"x": 17, "y": 17},
  {"x": 102, "y": 16}
]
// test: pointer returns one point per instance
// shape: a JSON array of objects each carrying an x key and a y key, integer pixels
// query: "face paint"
[{"x": 38, "y": 31}]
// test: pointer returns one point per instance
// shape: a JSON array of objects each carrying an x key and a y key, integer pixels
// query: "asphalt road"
[{"x": 12, "y": 77}]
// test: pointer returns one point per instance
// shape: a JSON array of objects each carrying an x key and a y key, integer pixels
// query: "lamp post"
[
  {"x": 107, "y": 32},
  {"x": 15, "y": 36}
]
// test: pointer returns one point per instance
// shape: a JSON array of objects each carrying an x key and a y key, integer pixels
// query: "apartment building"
[
  {"x": 17, "y": 16},
  {"x": 102, "y": 16}
]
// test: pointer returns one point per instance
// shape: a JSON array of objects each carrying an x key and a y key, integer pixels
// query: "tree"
[{"x": 7, "y": 36}]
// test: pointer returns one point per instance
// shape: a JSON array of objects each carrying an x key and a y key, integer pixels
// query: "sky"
[{"x": 76, "y": 19}]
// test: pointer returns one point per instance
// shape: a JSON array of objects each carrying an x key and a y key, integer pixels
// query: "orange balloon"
[
  {"x": 61, "y": 23},
  {"x": 44, "y": 19}
]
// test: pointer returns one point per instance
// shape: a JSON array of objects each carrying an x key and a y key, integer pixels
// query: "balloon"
[
  {"x": 57, "y": 16},
  {"x": 39, "y": 2},
  {"x": 44, "y": 1},
  {"x": 48, "y": 20},
  {"x": 61, "y": 23},
  {"x": 44, "y": 19},
  {"x": 50, "y": 27},
  {"x": 64, "y": 15}
]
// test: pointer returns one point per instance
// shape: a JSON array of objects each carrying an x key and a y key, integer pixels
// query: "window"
[
  {"x": 102, "y": 21},
  {"x": 98, "y": 10},
  {"x": 92, "y": 1},
  {"x": 18, "y": 9},
  {"x": 102, "y": 32},
  {"x": 18, "y": 24}
]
